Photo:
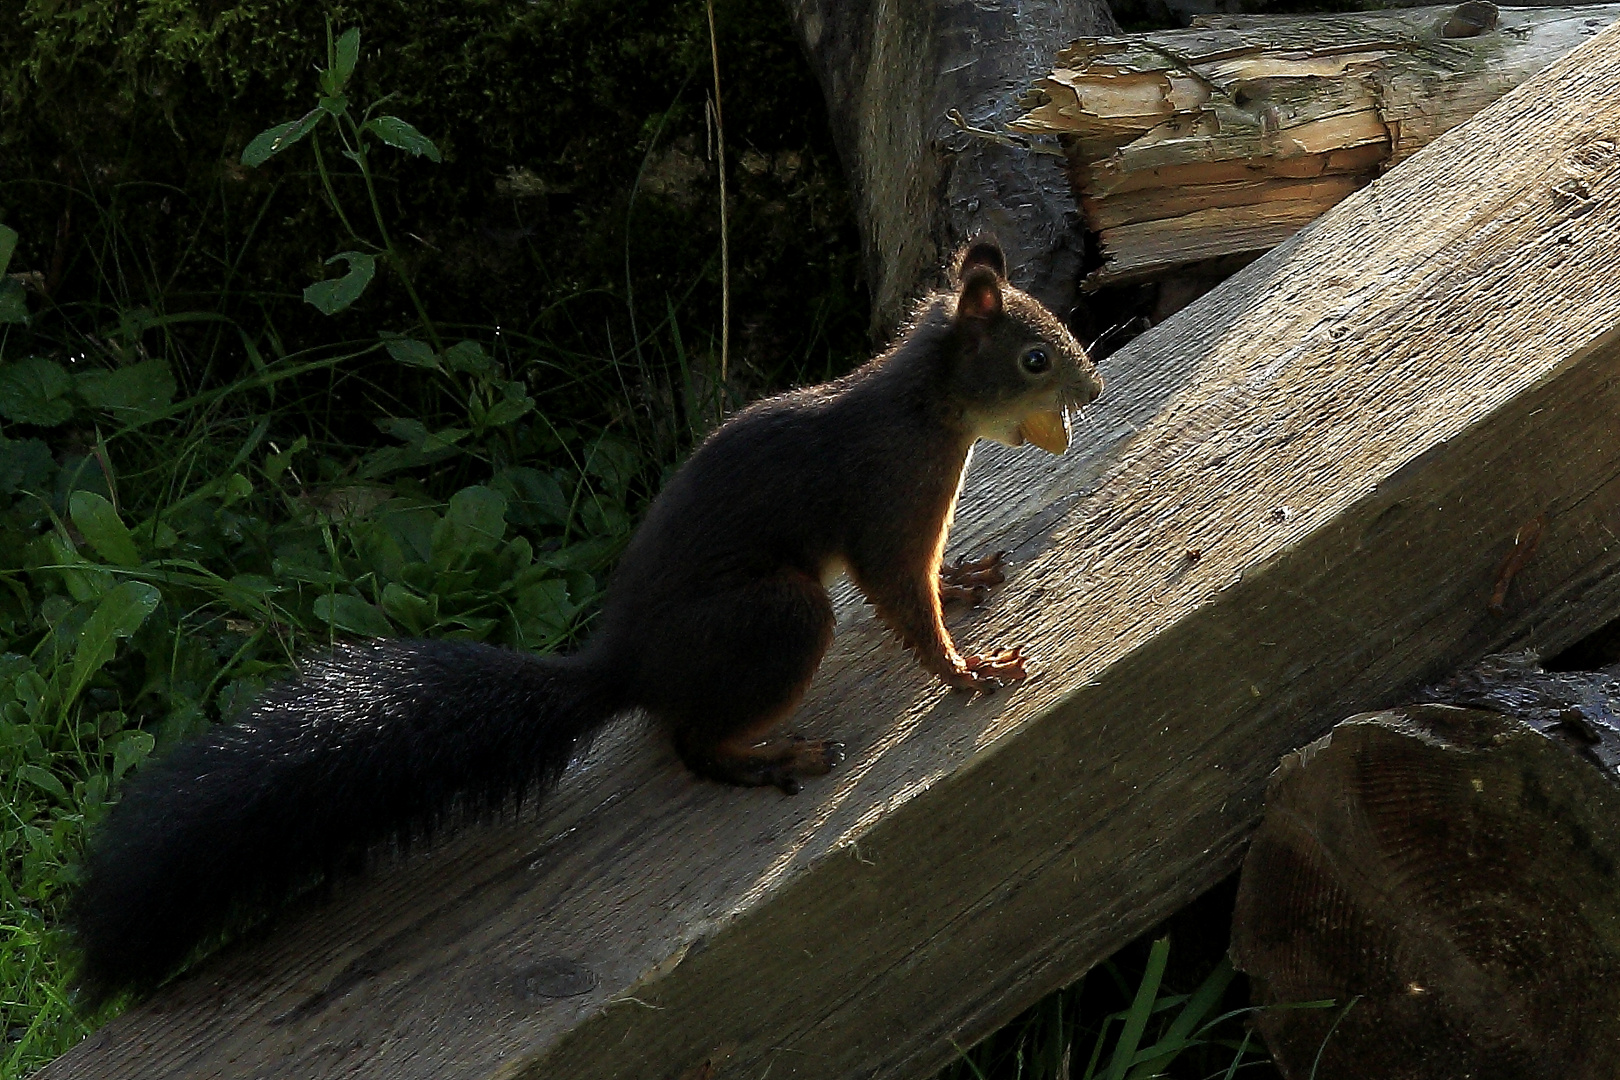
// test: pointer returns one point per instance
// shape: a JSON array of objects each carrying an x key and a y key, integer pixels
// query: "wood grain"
[{"x": 1351, "y": 431}]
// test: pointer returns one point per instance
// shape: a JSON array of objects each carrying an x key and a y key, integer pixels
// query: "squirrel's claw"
[{"x": 989, "y": 672}]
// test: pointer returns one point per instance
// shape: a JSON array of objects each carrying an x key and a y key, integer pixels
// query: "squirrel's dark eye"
[{"x": 1035, "y": 361}]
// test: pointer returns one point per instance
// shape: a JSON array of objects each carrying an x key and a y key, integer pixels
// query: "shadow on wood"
[{"x": 1293, "y": 504}]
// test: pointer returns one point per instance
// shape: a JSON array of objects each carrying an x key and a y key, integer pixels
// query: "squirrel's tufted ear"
[
  {"x": 980, "y": 297},
  {"x": 983, "y": 252}
]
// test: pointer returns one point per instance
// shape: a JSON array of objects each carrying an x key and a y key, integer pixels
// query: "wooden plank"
[
  {"x": 1111, "y": 213},
  {"x": 1348, "y": 434}
]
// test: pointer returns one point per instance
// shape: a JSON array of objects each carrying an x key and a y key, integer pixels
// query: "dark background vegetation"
[{"x": 202, "y": 475}]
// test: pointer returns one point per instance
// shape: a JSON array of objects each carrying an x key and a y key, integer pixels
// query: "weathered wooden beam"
[
  {"x": 1294, "y": 503},
  {"x": 1230, "y": 136}
]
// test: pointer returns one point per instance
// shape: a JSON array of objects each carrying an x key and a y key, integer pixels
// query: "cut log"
[
  {"x": 1229, "y": 137},
  {"x": 1293, "y": 503},
  {"x": 1447, "y": 876},
  {"x": 892, "y": 74}
]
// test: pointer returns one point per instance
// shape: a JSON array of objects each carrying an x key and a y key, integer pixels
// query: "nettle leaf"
[
  {"x": 8, "y": 244},
  {"x": 345, "y": 56},
  {"x": 335, "y": 294},
  {"x": 414, "y": 353},
  {"x": 275, "y": 140},
  {"x": 132, "y": 394},
  {"x": 396, "y": 132},
  {"x": 352, "y": 615},
  {"x": 34, "y": 391},
  {"x": 119, "y": 614},
  {"x": 100, "y": 524}
]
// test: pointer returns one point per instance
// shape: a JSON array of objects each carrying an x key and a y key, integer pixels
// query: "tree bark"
[
  {"x": 1447, "y": 877},
  {"x": 892, "y": 71}
]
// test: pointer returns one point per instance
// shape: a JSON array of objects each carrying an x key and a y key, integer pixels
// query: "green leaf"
[
  {"x": 34, "y": 391},
  {"x": 235, "y": 488},
  {"x": 347, "y": 55},
  {"x": 13, "y": 301},
  {"x": 414, "y": 353},
  {"x": 509, "y": 408},
  {"x": 128, "y": 749},
  {"x": 534, "y": 499},
  {"x": 120, "y": 614},
  {"x": 8, "y": 244},
  {"x": 132, "y": 394},
  {"x": 277, "y": 463},
  {"x": 275, "y": 140},
  {"x": 336, "y": 104},
  {"x": 25, "y": 465},
  {"x": 396, "y": 132},
  {"x": 409, "y": 610},
  {"x": 469, "y": 356},
  {"x": 352, "y": 614},
  {"x": 547, "y": 603},
  {"x": 335, "y": 294},
  {"x": 44, "y": 779},
  {"x": 614, "y": 461},
  {"x": 475, "y": 521},
  {"x": 100, "y": 524}
]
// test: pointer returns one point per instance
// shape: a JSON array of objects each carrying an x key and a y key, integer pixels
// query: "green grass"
[{"x": 1167, "y": 1005}]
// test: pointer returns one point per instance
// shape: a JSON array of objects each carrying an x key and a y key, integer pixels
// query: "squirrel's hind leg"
[{"x": 729, "y": 668}]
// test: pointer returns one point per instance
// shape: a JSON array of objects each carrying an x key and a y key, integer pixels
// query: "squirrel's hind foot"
[
  {"x": 971, "y": 581},
  {"x": 779, "y": 762}
]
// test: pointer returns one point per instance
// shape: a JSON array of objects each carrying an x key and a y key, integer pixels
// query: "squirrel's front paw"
[{"x": 992, "y": 671}]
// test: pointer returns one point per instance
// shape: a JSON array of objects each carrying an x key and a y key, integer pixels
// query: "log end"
[{"x": 1448, "y": 878}]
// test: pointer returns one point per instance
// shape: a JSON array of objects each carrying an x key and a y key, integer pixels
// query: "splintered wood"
[{"x": 1229, "y": 137}]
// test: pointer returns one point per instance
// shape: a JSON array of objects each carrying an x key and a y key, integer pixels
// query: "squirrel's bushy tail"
[{"x": 376, "y": 742}]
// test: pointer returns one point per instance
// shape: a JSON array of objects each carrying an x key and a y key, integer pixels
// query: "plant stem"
[
  {"x": 394, "y": 259},
  {"x": 725, "y": 248}
]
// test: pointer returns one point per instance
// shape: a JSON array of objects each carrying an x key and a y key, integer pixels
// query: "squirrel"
[{"x": 714, "y": 621}]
